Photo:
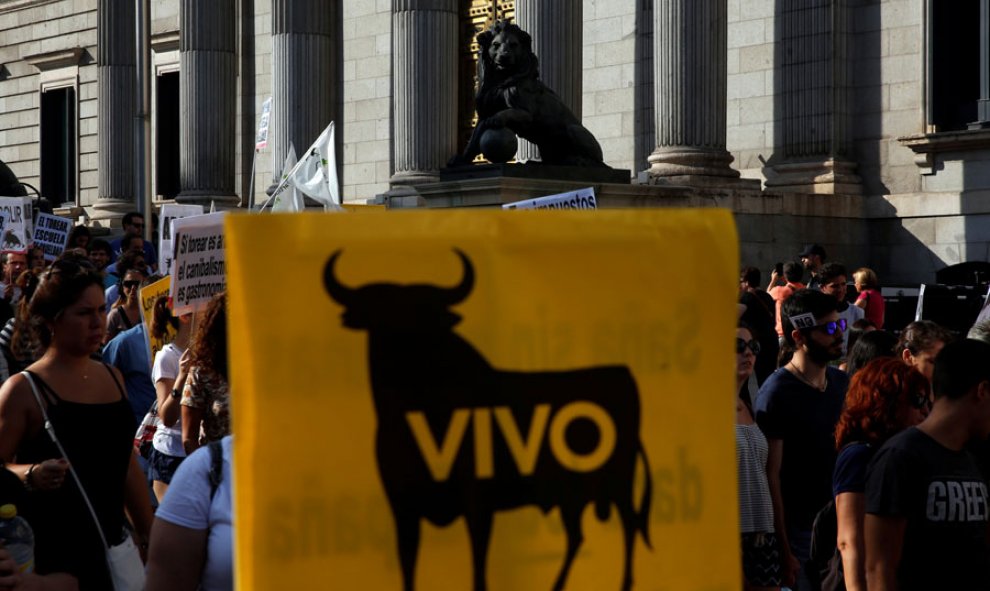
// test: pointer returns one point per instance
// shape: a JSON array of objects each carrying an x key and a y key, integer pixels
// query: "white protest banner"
[
  {"x": 580, "y": 199},
  {"x": 51, "y": 233},
  {"x": 200, "y": 271},
  {"x": 171, "y": 211},
  {"x": 261, "y": 140},
  {"x": 17, "y": 231}
]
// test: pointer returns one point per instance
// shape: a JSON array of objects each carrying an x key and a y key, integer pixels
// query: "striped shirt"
[{"x": 755, "y": 505}]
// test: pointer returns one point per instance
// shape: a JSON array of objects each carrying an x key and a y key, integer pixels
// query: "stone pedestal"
[
  {"x": 424, "y": 87},
  {"x": 556, "y": 27},
  {"x": 207, "y": 102},
  {"x": 690, "y": 70},
  {"x": 117, "y": 107},
  {"x": 304, "y": 73}
]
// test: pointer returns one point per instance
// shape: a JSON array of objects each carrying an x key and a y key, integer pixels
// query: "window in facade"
[
  {"x": 58, "y": 145},
  {"x": 954, "y": 64}
]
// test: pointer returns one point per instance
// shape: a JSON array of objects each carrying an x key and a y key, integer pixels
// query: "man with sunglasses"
[
  {"x": 834, "y": 282},
  {"x": 797, "y": 409},
  {"x": 133, "y": 223},
  {"x": 927, "y": 507}
]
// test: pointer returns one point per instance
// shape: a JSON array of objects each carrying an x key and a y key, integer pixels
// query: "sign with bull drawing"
[{"x": 484, "y": 400}]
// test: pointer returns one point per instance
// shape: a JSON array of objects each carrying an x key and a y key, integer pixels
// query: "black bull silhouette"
[{"x": 420, "y": 368}]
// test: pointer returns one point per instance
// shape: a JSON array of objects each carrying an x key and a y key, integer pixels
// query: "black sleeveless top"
[{"x": 98, "y": 439}]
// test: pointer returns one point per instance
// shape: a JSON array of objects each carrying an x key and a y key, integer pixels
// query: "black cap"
[{"x": 810, "y": 249}]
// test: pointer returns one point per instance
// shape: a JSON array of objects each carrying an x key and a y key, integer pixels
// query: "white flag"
[
  {"x": 288, "y": 198},
  {"x": 316, "y": 173}
]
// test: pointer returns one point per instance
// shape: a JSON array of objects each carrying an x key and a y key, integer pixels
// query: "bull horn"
[
  {"x": 341, "y": 294},
  {"x": 456, "y": 295}
]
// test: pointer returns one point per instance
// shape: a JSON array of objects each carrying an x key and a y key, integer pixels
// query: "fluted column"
[
  {"x": 690, "y": 66},
  {"x": 207, "y": 101},
  {"x": 117, "y": 105},
  {"x": 813, "y": 149},
  {"x": 556, "y": 28},
  {"x": 424, "y": 87},
  {"x": 304, "y": 67}
]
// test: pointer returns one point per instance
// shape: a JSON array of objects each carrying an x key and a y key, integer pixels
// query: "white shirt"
[{"x": 168, "y": 440}]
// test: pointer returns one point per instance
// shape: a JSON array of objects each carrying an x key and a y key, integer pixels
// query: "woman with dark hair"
[
  {"x": 885, "y": 397},
  {"x": 206, "y": 399},
  {"x": 127, "y": 310},
  {"x": 79, "y": 237},
  {"x": 90, "y": 416},
  {"x": 869, "y": 346},
  {"x": 169, "y": 372},
  {"x": 920, "y": 342},
  {"x": 763, "y": 568},
  {"x": 17, "y": 341}
]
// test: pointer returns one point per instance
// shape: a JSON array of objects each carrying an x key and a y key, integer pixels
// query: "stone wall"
[
  {"x": 367, "y": 98},
  {"x": 28, "y": 29}
]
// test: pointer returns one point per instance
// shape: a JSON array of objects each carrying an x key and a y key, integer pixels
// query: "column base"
[
  {"x": 106, "y": 213},
  {"x": 208, "y": 199},
  {"x": 696, "y": 167},
  {"x": 414, "y": 177},
  {"x": 818, "y": 177}
]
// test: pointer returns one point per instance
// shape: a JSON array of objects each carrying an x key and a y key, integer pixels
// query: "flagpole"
[{"x": 254, "y": 162}]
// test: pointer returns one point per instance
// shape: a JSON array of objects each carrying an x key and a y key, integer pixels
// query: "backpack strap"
[{"x": 216, "y": 467}]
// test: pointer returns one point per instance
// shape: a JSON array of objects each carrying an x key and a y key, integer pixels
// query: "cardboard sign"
[
  {"x": 580, "y": 199},
  {"x": 149, "y": 294},
  {"x": 171, "y": 211},
  {"x": 199, "y": 262},
  {"x": 16, "y": 236},
  {"x": 51, "y": 233},
  {"x": 443, "y": 383}
]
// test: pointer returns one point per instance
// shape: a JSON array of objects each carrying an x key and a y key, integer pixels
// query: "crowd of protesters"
[
  {"x": 861, "y": 451},
  {"x": 862, "y": 456},
  {"x": 79, "y": 393}
]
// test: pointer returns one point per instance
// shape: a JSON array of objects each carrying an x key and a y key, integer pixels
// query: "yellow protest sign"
[
  {"x": 149, "y": 294},
  {"x": 443, "y": 400}
]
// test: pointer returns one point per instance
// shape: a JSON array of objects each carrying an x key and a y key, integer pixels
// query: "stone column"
[
  {"x": 556, "y": 27},
  {"x": 424, "y": 87},
  {"x": 690, "y": 72},
  {"x": 117, "y": 106},
  {"x": 207, "y": 101},
  {"x": 812, "y": 147},
  {"x": 304, "y": 73}
]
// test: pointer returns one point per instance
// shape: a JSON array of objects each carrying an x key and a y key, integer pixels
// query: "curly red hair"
[{"x": 877, "y": 395}]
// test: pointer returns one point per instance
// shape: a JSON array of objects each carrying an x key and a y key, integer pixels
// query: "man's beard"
[{"x": 822, "y": 354}]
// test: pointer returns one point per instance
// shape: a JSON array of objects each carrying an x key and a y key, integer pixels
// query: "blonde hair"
[{"x": 866, "y": 277}]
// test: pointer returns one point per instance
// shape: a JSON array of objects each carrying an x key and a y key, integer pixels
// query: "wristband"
[{"x": 176, "y": 394}]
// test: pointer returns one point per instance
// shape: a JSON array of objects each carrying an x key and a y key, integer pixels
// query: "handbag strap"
[{"x": 51, "y": 434}]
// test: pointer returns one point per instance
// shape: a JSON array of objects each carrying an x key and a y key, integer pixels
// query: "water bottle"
[{"x": 17, "y": 537}]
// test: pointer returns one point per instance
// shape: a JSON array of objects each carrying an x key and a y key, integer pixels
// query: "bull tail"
[{"x": 643, "y": 515}]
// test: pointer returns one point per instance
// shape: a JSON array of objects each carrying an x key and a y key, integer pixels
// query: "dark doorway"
[
  {"x": 955, "y": 63},
  {"x": 167, "y": 138}
]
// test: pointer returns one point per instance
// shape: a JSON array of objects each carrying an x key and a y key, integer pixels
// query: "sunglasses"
[
  {"x": 130, "y": 284},
  {"x": 753, "y": 345},
  {"x": 830, "y": 328}
]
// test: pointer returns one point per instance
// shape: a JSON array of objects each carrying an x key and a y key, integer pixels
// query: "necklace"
[{"x": 801, "y": 376}]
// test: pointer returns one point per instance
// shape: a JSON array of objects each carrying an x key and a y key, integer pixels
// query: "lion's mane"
[{"x": 492, "y": 83}]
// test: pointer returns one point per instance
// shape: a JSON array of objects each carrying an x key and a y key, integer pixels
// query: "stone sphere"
[{"x": 499, "y": 145}]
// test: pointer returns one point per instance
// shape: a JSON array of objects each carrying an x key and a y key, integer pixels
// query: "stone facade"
[{"x": 896, "y": 196}]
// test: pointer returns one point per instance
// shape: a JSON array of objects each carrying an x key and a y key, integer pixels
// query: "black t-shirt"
[
  {"x": 804, "y": 418},
  {"x": 943, "y": 496}
]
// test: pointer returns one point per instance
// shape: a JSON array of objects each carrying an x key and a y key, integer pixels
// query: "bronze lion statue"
[{"x": 511, "y": 96}]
